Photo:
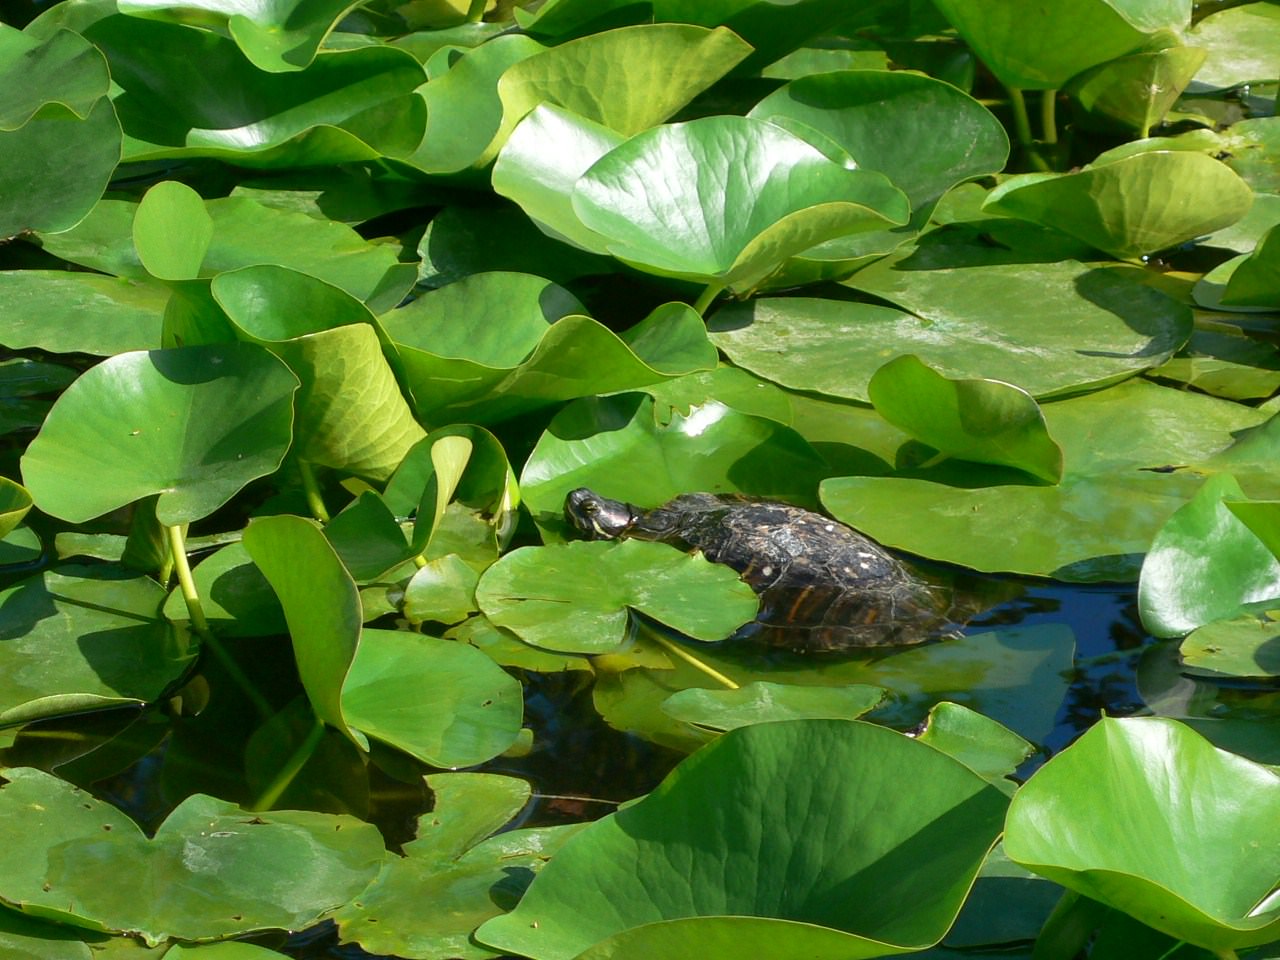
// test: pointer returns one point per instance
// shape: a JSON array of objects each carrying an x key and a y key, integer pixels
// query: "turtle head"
[{"x": 597, "y": 517}]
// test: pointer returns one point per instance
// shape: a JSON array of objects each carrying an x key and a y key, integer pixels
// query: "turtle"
[{"x": 823, "y": 586}]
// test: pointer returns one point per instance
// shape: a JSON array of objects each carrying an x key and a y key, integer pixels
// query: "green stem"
[
  {"x": 475, "y": 12},
  {"x": 1022, "y": 128},
  {"x": 693, "y": 661},
  {"x": 933, "y": 461},
  {"x": 195, "y": 610},
  {"x": 292, "y": 767},
  {"x": 312, "y": 491},
  {"x": 1048, "y": 116},
  {"x": 1227, "y": 954},
  {"x": 712, "y": 291}
]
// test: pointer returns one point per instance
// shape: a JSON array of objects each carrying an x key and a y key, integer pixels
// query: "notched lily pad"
[
  {"x": 1241, "y": 647},
  {"x": 576, "y": 596},
  {"x": 765, "y": 702},
  {"x": 211, "y": 871}
]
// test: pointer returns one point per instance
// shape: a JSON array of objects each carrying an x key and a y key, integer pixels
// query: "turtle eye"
[{"x": 590, "y": 507}]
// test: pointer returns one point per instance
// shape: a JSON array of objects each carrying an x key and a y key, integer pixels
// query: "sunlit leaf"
[
  {"x": 172, "y": 231},
  {"x": 764, "y": 702}
]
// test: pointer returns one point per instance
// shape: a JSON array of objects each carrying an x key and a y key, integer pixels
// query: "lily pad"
[
  {"x": 1205, "y": 565},
  {"x": 1123, "y": 476},
  {"x": 764, "y": 702},
  {"x": 351, "y": 413},
  {"x": 1137, "y": 91},
  {"x": 85, "y": 638},
  {"x": 629, "y": 448},
  {"x": 670, "y": 200},
  {"x": 1241, "y": 43},
  {"x": 670, "y": 880},
  {"x": 1097, "y": 326},
  {"x": 138, "y": 424},
  {"x": 1255, "y": 282},
  {"x": 1240, "y": 647},
  {"x": 211, "y": 871},
  {"x": 1032, "y": 46},
  {"x": 237, "y": 600},
  {"x": 987, "y": 421},
  {"x": 172, "y": 231},
  {"x": 576, "y": 597},
  {"x": 15, "y": 501},
  {"x": 985, "y": 746},
  {"x": 1130, "y": 207},
  {"x": 1115, "y": 817},
  {"x": 64, "y": 70},
  {"x": 466, "y": 877}
]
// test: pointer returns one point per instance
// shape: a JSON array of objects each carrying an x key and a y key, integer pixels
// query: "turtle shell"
[{"x": 822, "y": 585}]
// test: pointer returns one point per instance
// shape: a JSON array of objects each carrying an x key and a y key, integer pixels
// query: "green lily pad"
[
  {"x": 25, "y": 938},
  {"x": 275, "y": 37},
  {"x": 1098, "y": 326},
  {"x": 763, "y": 702},
  {"x": 1116, "y": 818},
  {"x": 640, "y": 197},
  {"x": 466, "y": 877},
  {"x": 15, "y": 501},
  {"x": 987, "y": 421},
  {"x": 236, "y": 598},
  {"x": 1255, "y": 281},
  {"x": 443, "y": 591},
  {"x": 228, "y": 950},
  {"x": 629, "y": 448},
  {"x": 825, "y": 877},
  {"x": 1204, "y": 565},
  {"x": 138, "y": 423},
  {"x": 1111, "y": 205},
  {"x": 577, "y": 597},
  {"x": 985, "y": 746},
  {"x": 189, "y": 92},
  {"x": 1240, "y": 647},
  {"x": 1034, "y": 47},
  {"x": 1263, "y": 518},
  {"x": 211, "y": 871},
  {"x": 467, "y": 357},
  {"x": 1124, "y": 475},
  {"x": 1137, "y": 91},
  {"x": 351, "y": 413},
  {"x": 85, "y": 638},
  {"x": 443, "y": 702},
  {"x": 64, "y": 70},
  {"x": 172, "y": 231},
  {"x": 1223, "y": 360},
  {"x": 1241, "y": 43}
]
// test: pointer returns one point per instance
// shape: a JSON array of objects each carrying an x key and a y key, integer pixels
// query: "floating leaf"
[
  {"x": 1097, "y": 326},
  {"x": 236, "y": 598},
  {"x": 466, "y": 877},
  {"x": 85, "y": 638},
  {"x": 1241, "y": 43},
  {"x": 1137, "y": 91},
  {"x": 1130, "y": 207},
  {"x": 985, "y": 746},
  {"x": 64, "y": 71},
  {"x": 626, "y": 448},
  {"x": 1240, "y": 647},
  {"x": 1132, "y": 455},
  {"x": 15, "y": 501},
  {"x": 1255, "y": 281},
  {"x": 723, "y": 200},
  {"x": 576, "y": 596},
  {"x": 1033, "y": 46},
  {"x": 666, "y": 876},
  {"x": 211, "y": 870},
  {"x": 138, "y": 424},
  {"x": 987, "y": 421},
  {"x": 172, "y": 231},
  {"x": 1204, "y": 565},
  {"x": 764, "y": 702},
  {"x": 1117, "y": 817}
]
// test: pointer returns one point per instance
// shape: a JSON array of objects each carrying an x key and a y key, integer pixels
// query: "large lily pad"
[
  {"x": 724, "y": 200},
  {"x": 1137, "y": 91},
  {"x": 1033, "y": 46},
  {"x": 85, "y": 638},
  {"x": 1118, "y": 817},
  {"x": 351, "y": 413},
  {"x": 1130, "y": 207},
  {"x": 1242, "y": 647},
  {"x": 631, "y": 448},
  {"x": 1255, "y": 281},
  {"x": 211, "y": 871},
  {"x": 825, "y": 876},
  {"x": 138, "y": 423},
  {"x": 1095, "y": 326},
  {"x": 65, "y": 312},
  {"x": 1205, "y": 565},
  {"x": 1132, "y": 455},
  {"x": 451, "y": 865},
  {"x": 1241, "y": 44},
  {"x": 576, "y": 597}
]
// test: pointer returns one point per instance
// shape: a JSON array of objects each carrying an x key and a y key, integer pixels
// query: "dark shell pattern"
[{"x": 823, "y": 586}]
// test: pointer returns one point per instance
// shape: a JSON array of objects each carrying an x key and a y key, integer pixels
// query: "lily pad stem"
[
  {"x": 195, "y": 610},
  {"x": 292, "y": 767},
  {"x": 312, "y": 491},
  {"x": 475, "y": 13},
  {"x": 693, "y": 661},
  {"x": 708, "y": 295},
  {"x": 1022, "y": 128},
  {"x": 1048, "y": 116},
  {"x": 933, "y": 461},
  {"x": 1227, "y": 954}
]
